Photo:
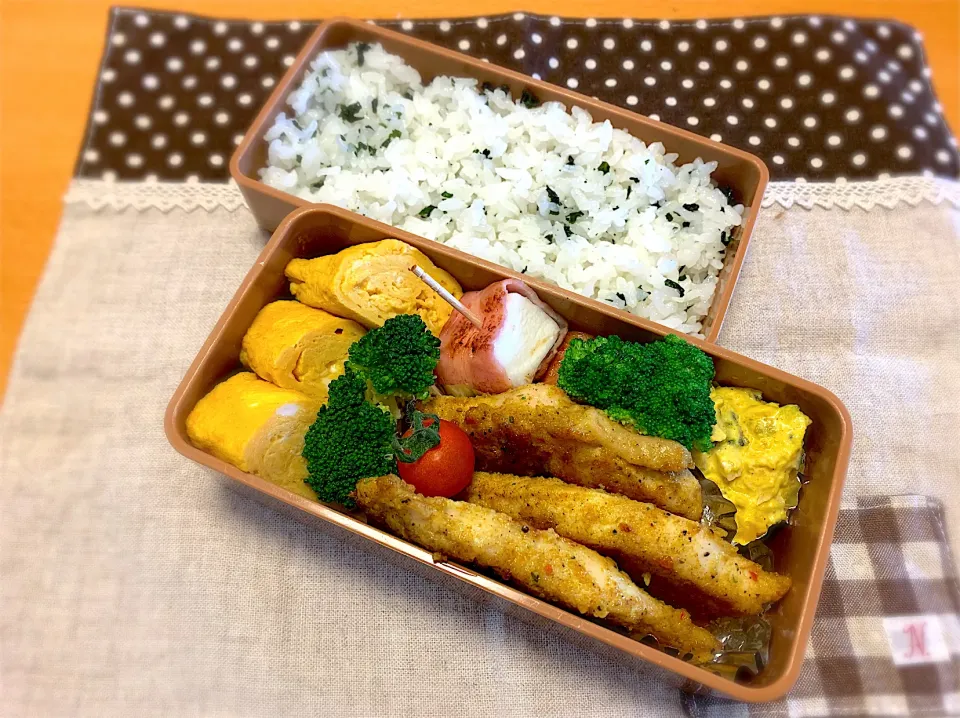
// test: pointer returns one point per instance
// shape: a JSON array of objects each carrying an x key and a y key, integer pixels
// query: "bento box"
[
  {"x": 745, "y": 174},
  {"x": 801, "y": 547}
]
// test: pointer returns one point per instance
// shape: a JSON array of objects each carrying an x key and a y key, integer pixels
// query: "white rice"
[{"x": 484, "y": 163}]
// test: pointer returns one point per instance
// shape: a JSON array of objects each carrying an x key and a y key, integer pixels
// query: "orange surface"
[{"x": 56, "y": 44}]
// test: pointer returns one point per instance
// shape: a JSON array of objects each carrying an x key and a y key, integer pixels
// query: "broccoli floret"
[
  {"x": 398, "y": 358},
  {"x": 661, "y": 388},
  {"x": 350, "y": 440}
]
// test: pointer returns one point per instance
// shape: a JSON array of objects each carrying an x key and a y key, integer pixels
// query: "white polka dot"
[
  {"x": 519, "y": 54},
  {"x": 726, "y": 84},
  {"x": 687, "y": 83},
  {"x": 651, "y": 81},
  {"x": 778, "y": 159},
  {"x": 814, "y": 21},
  {"x": 666, "y": 65},
  {"x": 181, "y": 119},
  {"x": 174, "y": 64},
  {"x": 781, "y": 61},
  {"x": 244, "y": 99},
  {"x": 703, "y": 65},
  {"x": 683, "y": 46},
  {"x": 721, "y": 45},
  {"x": 197, "y": 47},
  {"x": 237, "y": 139},
  {"x": 916, "y": 86},
  {"x": 165, "y": 102},
  {"x": 871, "y": 91},
  {"x": 235, "y": 44},
  {"x": 257, "y": 28},
  {"x": 555, "y": 21},
  {"x": 753, "y": 140},
  {"x": 272, "y": 43},
  {"x": 502, "y": 40},
  {"x": 132, "y": 57},
  {"x": 770, "y": 122},
  {"x": 205, "y": 100},
  {"x": 482, "y": 23},
  {"x": 118, "y": 39},
  {"x": 747, "y": 102},
  {"x": 852, "y": 115},
  {"x": 109, "y": 176},
  {"x": 198, "y": 138},
  {"x": 654, "y": 117},
  {"x": 590, "y": 63},
  {"x": 804, "y": 79},
  {"x": 610, "y": 82},
  {"x": 143, "y": 122},
  {"x": 834, "y": 140},
  {"x": 905, "y": 51},
  {"x": 646, "y": 45},
  {"x": 250, "y": 61},
  {"x": 760, "y": 42},
  {"x": 776, "y": 22},
  {"x": 732, "y": 119},
  {"x": 117, "y": 139},
  {"x": 572, "y": 82},
  {"x": 943, "y": 156},
  {"x": 693, "y": 121},
  {"x": 878, "y": 133},
  {"x": 536, "y": 37},
  {"x": 739, "y": 24},
  {"x": 907, "y": 97},
  {"x": 786, "y": 102},
  {"x": 109, "y": 75},
  {"x": 793, "y": 141},
  {"x": 288, "y": 60},
  {"x": 860, "y": 56},
  {"x": 816, "y": 163},
  {"x": 518, "y": 16},
  {"x": 125, "y": 99},
  {"x": 134, "y": 160},
  {"x": 212, "y": 63},
  {"x": 228, "y": 81},
  {"x": 671, "y": 101},
  {"x": 799, "y": 38},
  {"x": 716, "y": 138},
  {"x": 91, "y": 156},
  {"x": 822, "y": 55},
  {"x": 847, "y": 72},
  {"x": 536, "y": 76},
  {"x": 742, "y": 65},
  {"x": 838, "y": 37},
  {"x": 189, "y": 82},
  {"x": 609, "y": 43},
  {"x": 884, "y": 76},
  {"x": 554, "y": 63},
  {"x": 444, "y": 26},
  {"x": 895, "y": 110},
  {"x": 627, "y": 23},
  {"x": 267, "y": 81},
  {"x": 221, "y": 118},
  {"x": 920, "y": 133},
  {"x": 220, "y": 28},
  {"x": 883, "y": 31},
  {"x": 158, "y": 39},
  {"x": 632, "y": 99},
  {"x": 175, "y": 159},
  {"x": 904, "y": 152},
  {"x": 141, "y": 20},
  {"x": 628, "y": 64},
  {"x": 664, "y": 24},
  {"x": 181, "y": 22},
  {"x": 763, "y": 84},
  {"x": 701, "y": 24},
  {"x": 828, "y": 97},
  {"x": 809, "y": 122},
  {"x": 883, "y": 176},
  {"x": 707, "y": 101},
  {"x": 158, "y": 142},
  {"x": 571, "y": 43}
]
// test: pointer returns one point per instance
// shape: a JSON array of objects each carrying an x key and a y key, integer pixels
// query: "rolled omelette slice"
[
  {"x": 257, "y": 427},
  {"x": 371, "y": 283},
  {"x": 298, "y": 347}
]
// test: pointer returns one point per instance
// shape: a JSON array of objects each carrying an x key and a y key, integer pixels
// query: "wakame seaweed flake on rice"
[{"x": 576, "y": 202}]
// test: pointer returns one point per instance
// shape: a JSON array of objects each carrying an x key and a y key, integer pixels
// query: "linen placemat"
[{"x": 133, "y": 584}]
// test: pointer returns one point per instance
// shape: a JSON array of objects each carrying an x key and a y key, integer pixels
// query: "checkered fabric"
[{"x": 890, "y": 558}]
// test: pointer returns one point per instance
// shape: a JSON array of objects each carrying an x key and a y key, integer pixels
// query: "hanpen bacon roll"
[{"x": 519, "y": 336}]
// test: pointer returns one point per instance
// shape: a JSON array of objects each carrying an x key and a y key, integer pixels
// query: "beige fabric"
[{"x": 134, "y": 583}]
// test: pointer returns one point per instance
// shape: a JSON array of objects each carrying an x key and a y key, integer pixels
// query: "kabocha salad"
[{"x": 613, "y": 478}]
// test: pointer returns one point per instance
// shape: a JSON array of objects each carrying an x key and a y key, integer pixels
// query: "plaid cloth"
[{"x": 890, "y": 558}]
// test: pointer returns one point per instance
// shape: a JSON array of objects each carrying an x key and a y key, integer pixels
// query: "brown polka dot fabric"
[{"x": 818, "y": 98}]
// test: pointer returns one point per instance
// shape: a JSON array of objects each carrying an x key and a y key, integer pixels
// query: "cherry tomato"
[{"x": 447, "y": 468}]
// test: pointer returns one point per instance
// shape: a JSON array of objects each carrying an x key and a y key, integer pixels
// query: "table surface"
[{"x": 57, "y": 44}]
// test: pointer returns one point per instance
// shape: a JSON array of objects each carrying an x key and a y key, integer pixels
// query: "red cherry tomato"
[{"x": 447, "y": 468}]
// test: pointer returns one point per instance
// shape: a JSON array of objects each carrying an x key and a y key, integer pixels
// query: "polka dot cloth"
[{"x": 818, "y": 98}]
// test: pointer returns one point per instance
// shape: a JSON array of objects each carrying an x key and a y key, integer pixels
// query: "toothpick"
[{"x": 447, "y": 297}]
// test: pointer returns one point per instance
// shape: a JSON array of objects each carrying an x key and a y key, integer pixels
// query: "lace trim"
[{"x": 189, "y": 196}]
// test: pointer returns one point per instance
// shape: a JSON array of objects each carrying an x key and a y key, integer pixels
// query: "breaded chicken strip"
[
  {"x": 543, "y": 563},
  {"x": 538, "y": 430},
  {"x": 703, "y": 572}
]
